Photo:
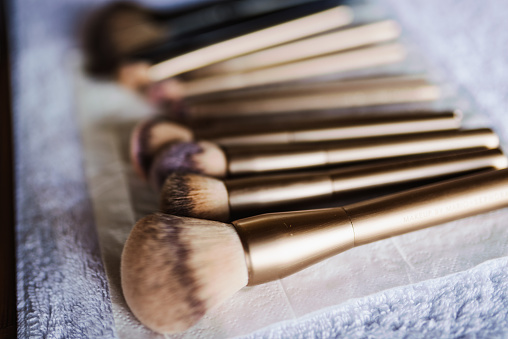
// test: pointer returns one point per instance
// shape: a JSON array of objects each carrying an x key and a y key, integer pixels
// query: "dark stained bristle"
[
  {"x": 144, "y": 156},
  {"x": 195, "y": 195},
  {"x": 174, "y": 157},
  {"x": 160, "y": 235},
  {"x": 175, "y": 269},
  {"x": 179, "y": 201}
]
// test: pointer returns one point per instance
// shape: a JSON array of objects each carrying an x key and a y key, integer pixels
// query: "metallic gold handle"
[
  {"x": 307, "y": 156},
  {"x": 392, "y": 92},
  {"x": 334, "y": 41},
  {"x": 261, "y": 192},
  {"x": 340, "y": 62},
  {"x": 279, "y": 244},
  {"x": 343, "y": 130},
  {"x": 271, "y": 36},
  {"x": 427, "y": 206}
]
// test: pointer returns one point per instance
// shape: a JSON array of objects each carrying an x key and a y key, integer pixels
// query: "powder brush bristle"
[
  {"x": 188, "y": 157},
  {"x": 196, "y": 196},
  {"x": 176, "y": 269},
  {"x": 148, "y": 137}
]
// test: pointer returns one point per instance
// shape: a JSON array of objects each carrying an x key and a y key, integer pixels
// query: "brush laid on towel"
[
  {"x": 126, "y": 32},
  {"x": 292, "y": 98},
  {"x": 198, "y": 196},
  {"x": 210, "y": 159},
  {"x": 150, "y": 135},
  {"x": 175, "y": 269}
]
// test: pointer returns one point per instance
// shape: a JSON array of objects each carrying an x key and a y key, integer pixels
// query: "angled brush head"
[
  {"x": 188, "y": 157},
  {"x": 149, "y": 136},
  {"x": 194, "y": 195},
  {"x": 175, "y": 269}
]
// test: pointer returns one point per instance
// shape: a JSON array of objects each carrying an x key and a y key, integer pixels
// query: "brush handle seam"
[{"x": 352, "y": 225}]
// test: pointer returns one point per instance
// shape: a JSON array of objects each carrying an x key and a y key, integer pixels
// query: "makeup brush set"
[{"x": 268, "y": 110}]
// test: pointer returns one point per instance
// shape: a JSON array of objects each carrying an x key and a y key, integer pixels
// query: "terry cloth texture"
[
  {"x": 62, "y": 289},
  {"x": 464, "y": 305}
]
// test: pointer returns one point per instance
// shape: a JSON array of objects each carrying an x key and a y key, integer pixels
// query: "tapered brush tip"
[
  {"x": 194, "y": 195},
  {"x": 175, "y": 269},
  {"x": 149, "y": 136},
  {"x": 188, "y": 157}
]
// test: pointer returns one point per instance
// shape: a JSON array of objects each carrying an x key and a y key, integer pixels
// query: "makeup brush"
[
  {"x": 289, "y": 31},
  {"x": 119, "y": 30},
  {"x": 150, "y": 135},
  {"x": 209, "y": 159},
  {"x": 175, "y": 269},
  {"x": 327, "y": 43},
  {"x": 197, "y": 196},
  {"x": 305, "y": 87},
  {"x": 316, "y": 97},
  {"x": 362, "y": 58}
]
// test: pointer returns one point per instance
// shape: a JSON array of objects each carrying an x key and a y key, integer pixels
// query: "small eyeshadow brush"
[
  {"x": 209, "y": 159},
  {"x": 197, "y": 196},
  {"x": 150, "y": 135}
]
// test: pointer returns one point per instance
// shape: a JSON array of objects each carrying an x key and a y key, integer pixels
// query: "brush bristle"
[
  {"x": 149, "y": 136},
  {"x": 134, "y": 76},
  {"x": 196, "y": 196},
  {"x": 187, "y": 157},
  {"x": 114, "y": 32},
  {"x": 175, "y": 269}
]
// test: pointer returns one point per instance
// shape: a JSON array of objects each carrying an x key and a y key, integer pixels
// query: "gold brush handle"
[
  {"x": 389, "y": 94},
  {"x": 427, "y": 206},
  {"x": 258, "y": 192},
  {"x": 344, "y": 130},
  {"x": 336, "y": 63},
  {"x": 305, "y": 156},
  {"x": 264, "y": 38},
  {"x": 279, "y": 244},
  {"x": 319, "y": 45}
]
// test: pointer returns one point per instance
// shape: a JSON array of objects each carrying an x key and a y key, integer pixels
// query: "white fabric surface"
[{"x": 119, "y": 198}]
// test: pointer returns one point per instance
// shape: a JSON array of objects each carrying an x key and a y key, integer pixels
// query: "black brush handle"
[{"x": 226, "y": 13}]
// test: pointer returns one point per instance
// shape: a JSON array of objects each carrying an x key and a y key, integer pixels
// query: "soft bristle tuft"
[
  {"x": 212, "y": 160},
  {"x": 196, "y": 196},
  {"x": 174, "y": 158},
  {"x": 149, "y": 136},
  {"x": 187, "y": 157},
  {"x": 175, "y": 269}
]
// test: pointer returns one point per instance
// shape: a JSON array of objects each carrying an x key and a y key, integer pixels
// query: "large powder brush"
[{"x": 175, "y": 269}]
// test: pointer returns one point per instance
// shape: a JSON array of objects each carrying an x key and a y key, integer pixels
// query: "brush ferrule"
[
  {"x": 259, "y": 163},
  {"x": 279, "y": 244}
]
